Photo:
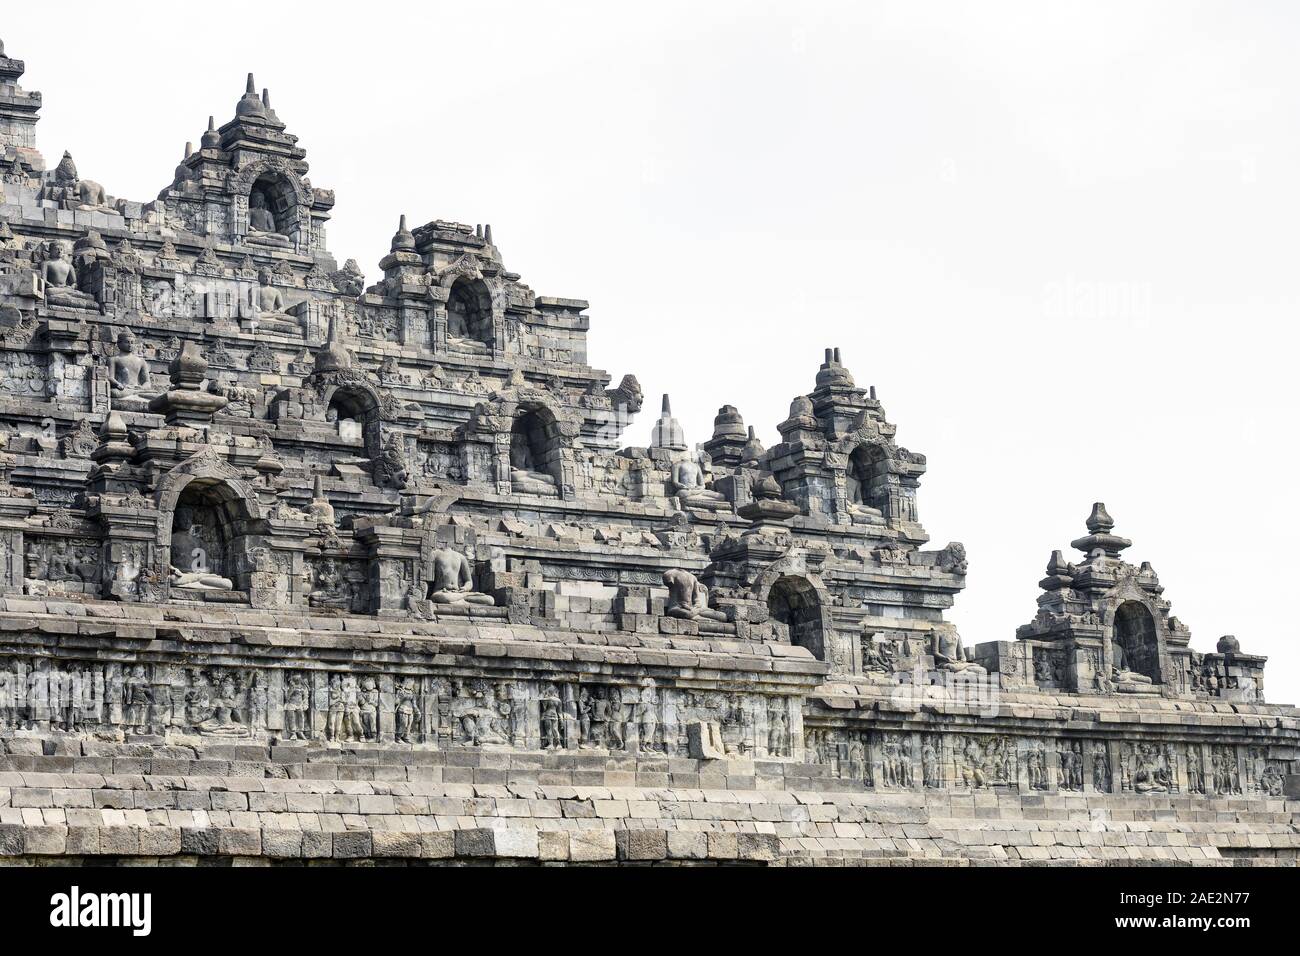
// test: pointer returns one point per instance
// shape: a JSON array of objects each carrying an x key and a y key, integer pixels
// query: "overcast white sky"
[{"x": 1059, "y": 238}]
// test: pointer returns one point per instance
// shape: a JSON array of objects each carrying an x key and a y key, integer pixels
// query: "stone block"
[
  {"x": 11, "y": 840},
  {"x": 282, "y": 844},
  {"x": 516, "y": 843},
  {"x": 553, "y": 845},
  {"x": 197, "y": 842},
  {"x": 592, "y": 846},
  {"x": 642, "y": 844},
  {"x": 761, "y": 847},
  {"x": 704, "y": 738},
  {"x": 723, "y": 846},
  {"x": 317, "y": 845},
  {"x": 353, "y": 845},
  {"x": 160, "y": 841},
  {"x": 395, "y": 844},
  {"x": 688, "y": 845},
  {"x": 234, "y": 842},
  {"x": 438, "y": 845},
  {"x": 480, "y": 842},
  {"x": 45, "y": 841}
]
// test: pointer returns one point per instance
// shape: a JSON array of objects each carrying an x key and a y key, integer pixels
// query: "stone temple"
[{"x": 301, "y": 566}]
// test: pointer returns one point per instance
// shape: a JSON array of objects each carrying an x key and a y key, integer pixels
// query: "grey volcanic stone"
[{"x": 296, "y": 564}]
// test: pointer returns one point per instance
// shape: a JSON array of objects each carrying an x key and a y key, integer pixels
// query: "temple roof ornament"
[
  {"x": 1100, "y": 524},
  {"x": 668, "y": 433}
]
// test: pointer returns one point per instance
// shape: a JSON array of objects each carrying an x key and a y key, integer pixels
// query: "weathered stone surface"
[{"x": 299, "y": 567}]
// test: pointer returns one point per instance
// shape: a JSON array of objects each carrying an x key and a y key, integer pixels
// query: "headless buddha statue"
[
  {"x": 1120, "y": 663},
  {"x": 691, "y": 488},
  {"x": 453, "y": 580},
  {"x": 951, "y": 655},
  {"x": 860, "y": 512},
  {"x": 524, "y": 478},
  {"x": 688, "y": 598}
]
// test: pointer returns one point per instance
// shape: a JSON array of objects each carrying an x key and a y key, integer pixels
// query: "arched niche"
[
  {"x": 795, "y": 602},
  {"x": 209, "y": 533},
  {"x": 867, "y": 480},
  {"x": 272, "y": 205},
  {"x": 351, "y": 409},
  {"x": 273, "y": 186},
  {"x": 469, "y": 312},
  {"x": 535, "y": 452},
  {"x": 1134, "y": 632},
  {"x": 355, "y": 410}
]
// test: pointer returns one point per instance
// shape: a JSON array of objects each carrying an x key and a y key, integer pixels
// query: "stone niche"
[
  {"x": 535, "y": 457},
  {"x": 209, "y": 543},
  {"x": 796, "y": 608},
  {"x": 469, "y": 314},
  {"x": 1134, "y": 632}
]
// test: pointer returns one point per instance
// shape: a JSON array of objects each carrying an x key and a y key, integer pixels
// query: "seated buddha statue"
[
  {"x": 951, "y": 655},
  {"x": 189, "y": 543},
  {"x": 269, "y": 305},
  {"x": 1122, "y": 674},
  {"x": 59, "y": 278},
  {"x": 129, "y": 377},
  {"x": 860, "y": 512},
  {"x": 691, "y": 488},
  {"x": 453, "y": 580},
  {"x": 688, "y": 599},
  {"x": 524, "y": 478},
  {"x": 262, "y": 227}
]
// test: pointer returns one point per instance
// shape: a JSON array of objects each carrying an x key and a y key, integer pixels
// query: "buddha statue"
[
  {"x": 263, "y": 230},
  {"x": 453, "y": 581},
  {"x": 260, "y": 217},
  {"x": 189, "y": 542},
  {"x": 688, "y": 599},
  {"x": 59, "y": 278},
  {"x": 524, "y": 478},
  {"x": 129, "y": 376},
  {"x": 200, "y": 581},
  {"x": 70, "y": 191},
  {"x": 269, "y": 299},
  {"x": 331, "y": 589},
  {"x": 691, "y": 488},
  {"x": 951, "y": 655},
  {"x": 860, "y": 511},
  {"x": 1119, "y": 662}
]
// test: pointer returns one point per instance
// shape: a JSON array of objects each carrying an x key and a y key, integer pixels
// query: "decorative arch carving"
[
  {"x": 227, "y": 522},
  {"x": 802, "y": 604},
  {"x": 210, "y": 468},
  {"x": 241, "y": 184}
]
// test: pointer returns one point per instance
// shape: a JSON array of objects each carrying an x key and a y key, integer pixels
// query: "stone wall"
[{"x": 296, "y": 565}]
